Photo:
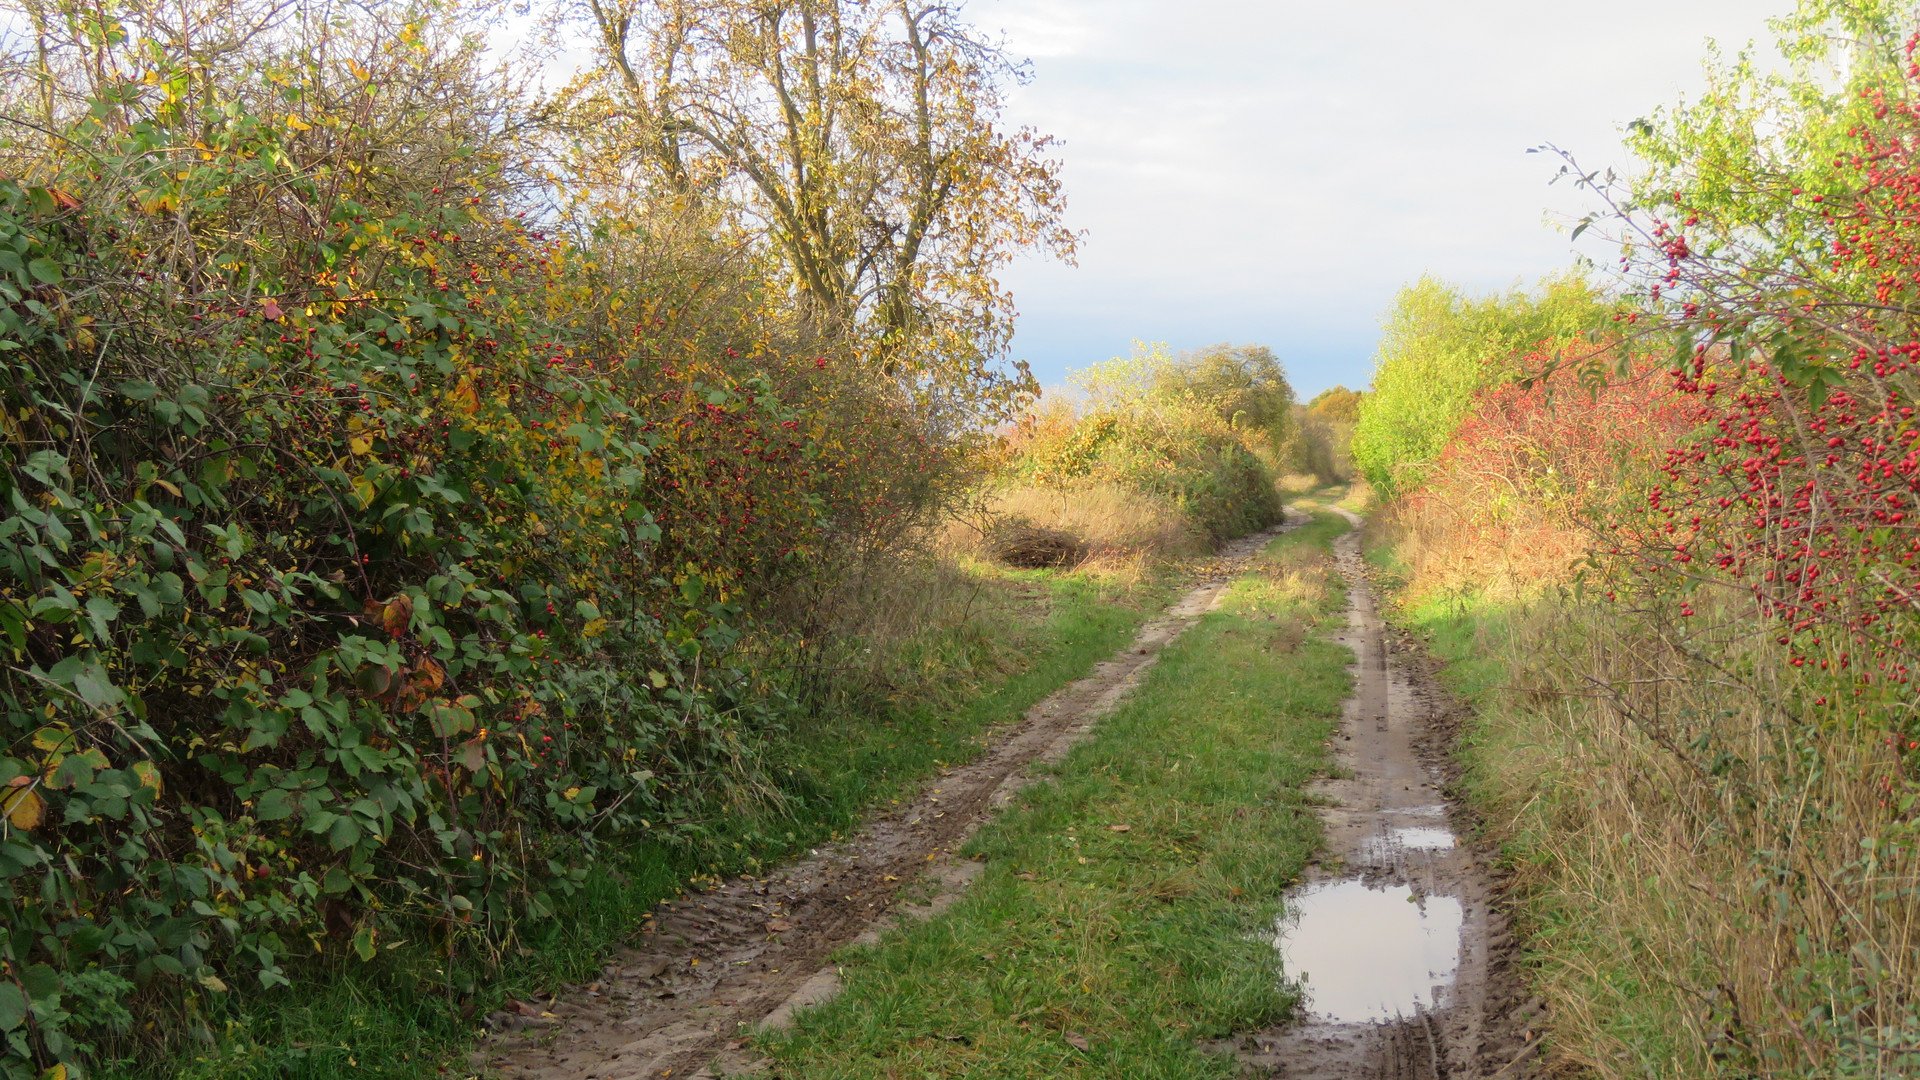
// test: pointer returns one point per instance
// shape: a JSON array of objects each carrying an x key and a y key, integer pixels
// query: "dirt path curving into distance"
[
  {"x": 1409, "y": 967},
  {"x": 713, "y": 965}
]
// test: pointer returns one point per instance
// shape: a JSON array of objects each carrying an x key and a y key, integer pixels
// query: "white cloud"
[{"x": 1274, "y": 171}]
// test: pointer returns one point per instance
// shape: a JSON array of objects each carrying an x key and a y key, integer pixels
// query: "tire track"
[{"x": 713, "y": 966}]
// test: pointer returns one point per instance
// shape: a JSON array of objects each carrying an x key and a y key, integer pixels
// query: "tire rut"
[
  {"x": 710, "y": 967},
  {"x": 1428, "y": 988}
]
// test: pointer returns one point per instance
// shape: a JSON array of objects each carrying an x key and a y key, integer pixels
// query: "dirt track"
[
  {"x": 714, "y": 965},
  {"x": 1396, "y": 899}
]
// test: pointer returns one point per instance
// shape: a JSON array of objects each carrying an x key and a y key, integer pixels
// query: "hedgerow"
[{"x": 372, "y": 558}]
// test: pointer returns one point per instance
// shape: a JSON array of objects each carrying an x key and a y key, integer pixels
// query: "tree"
[
  {"x": 861, "y": 142},
  {"x": 1338, "y": 404}
]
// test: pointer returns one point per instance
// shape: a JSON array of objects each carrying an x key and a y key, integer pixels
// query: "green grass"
[
  {"x": 393, "y": 1018},
  {"x": 1320, "y": 499},
  {"x": 1138, "y": 942}
]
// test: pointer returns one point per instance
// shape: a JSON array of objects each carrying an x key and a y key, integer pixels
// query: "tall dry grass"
[
  {"x": 1715, "y": 885},
  {"x": 1118, "y": 527},
  {"x": 1713, "y": 840}
]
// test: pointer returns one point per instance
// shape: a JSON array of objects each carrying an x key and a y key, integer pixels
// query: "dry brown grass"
[
  {"x": 1713, "y": 839},
  {"x": 1716, "y": 883},
  {"x": 1471, "y": 538},
  {"x": 1119, "y": 529}
]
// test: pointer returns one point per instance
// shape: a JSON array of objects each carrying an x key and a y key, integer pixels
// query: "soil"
[
  {"x": 1392, "y": 819},
  {"x": 710, "y": 967}
]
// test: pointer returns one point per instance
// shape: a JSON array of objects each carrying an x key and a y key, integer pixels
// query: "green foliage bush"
[
  {"x": 1440, "y": 348},
  {"x": 1204, "y": 430}
]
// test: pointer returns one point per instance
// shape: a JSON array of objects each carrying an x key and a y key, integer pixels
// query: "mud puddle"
[
  {"x": 710, "y": 967},
  {"x": 1367, "y": 953},
  {"x": 1405, "y": 965}
]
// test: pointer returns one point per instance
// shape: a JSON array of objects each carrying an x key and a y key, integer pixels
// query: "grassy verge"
[
  {"x": 395, "y": 1017},
  {"x": 1632, "y": 924},
  {"x": 1535, "y": 774},
  {"x": 1090, "y": 949}
]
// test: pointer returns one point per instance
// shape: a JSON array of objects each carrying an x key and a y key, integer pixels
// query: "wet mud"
[
  {"x": 1395, "y": 935},
  {"x": 711, "y": 967}
]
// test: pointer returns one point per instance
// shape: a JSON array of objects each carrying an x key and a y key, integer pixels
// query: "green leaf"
[
  {"x": 13, "y": 1006},
  {"x": 95, "y": 687},
  {"x": 363, "y": 943},
  {"x": 272, "y": 806},
  {"x": 101, "y": 612},
  {"x": 448, "y": 720},
  {"x": 41, "y": 983},
  {"x": 590, "y": 439},
  {"x": 46, "y": 270},
  {"x": 13, "y": 620},
  {"x": 344, "y": 833}
]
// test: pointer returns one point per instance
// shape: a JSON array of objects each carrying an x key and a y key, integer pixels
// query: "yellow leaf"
[
  {"x": 149, "y": 775},
  {"x": 168, "y": 487},
  {"x": 295, "y": 123},
  {"x": 24, "y": 808},
  {"x": 52, "y": 737},
  {"x": 56, "y": 1071},
  {"x": 361, "y": 444}
]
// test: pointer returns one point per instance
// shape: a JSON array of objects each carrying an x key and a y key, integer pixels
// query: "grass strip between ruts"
[{"x": 1126, "y": 905}]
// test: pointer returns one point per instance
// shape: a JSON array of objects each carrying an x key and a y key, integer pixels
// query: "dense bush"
[
  {"x": 1701, "y": 739},
  {"x": 372, "y": 559},
  {"x": 1203, "y": 432},
  {"x": 1326, "y": 433},
  {"x": 1440, "y": 349}
]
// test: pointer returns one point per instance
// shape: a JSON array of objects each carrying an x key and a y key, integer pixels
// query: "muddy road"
[
  {"x": 710, "y": 967},
  {"x": 1407, "y": 963}
]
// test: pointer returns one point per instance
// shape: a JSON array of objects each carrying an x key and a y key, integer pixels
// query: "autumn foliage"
[
  {"x": 1699, "y": 535},
  {"x": 391, "y": 528}
]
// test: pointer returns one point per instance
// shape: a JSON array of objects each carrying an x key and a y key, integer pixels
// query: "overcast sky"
[{"x": 1273, "y": 170}]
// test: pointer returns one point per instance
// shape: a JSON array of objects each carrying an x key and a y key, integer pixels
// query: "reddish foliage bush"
[{"x": 1505, "y": 506}]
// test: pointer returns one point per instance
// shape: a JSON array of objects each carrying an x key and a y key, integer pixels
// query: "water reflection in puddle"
[
  {"x": 1424, "y": 839},
  {"x": 1386, "y": 850},
  {"x": 1369, "y": 953}
]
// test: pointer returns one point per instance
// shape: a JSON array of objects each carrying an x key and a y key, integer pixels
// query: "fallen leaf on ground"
[
  {"x": 1027, "y": 877},
  {"x": 524, "y": 1008},
  {"x": 778, "y": 926},
  {"x": 1119, "y": 828},
  {"x": 1077, "y": 1040}
]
